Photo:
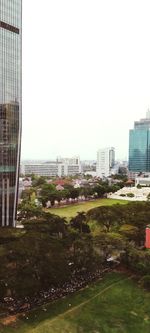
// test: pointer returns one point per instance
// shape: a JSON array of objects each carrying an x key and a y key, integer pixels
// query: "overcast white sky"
[{"x": 86, "y": 75}]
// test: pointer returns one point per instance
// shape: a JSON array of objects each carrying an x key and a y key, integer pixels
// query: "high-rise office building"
[
  {"x": 139, "y": 145},
  {"x": 10, "y": 107},
  {"x": 105, "y": 162}
]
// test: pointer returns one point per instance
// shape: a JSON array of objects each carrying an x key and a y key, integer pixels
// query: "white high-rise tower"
[{"x": 105, "y": 161}]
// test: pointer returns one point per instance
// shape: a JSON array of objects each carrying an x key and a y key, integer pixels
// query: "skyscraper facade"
[
  {"x": 10, "y": 107},
  {"x": 139, "y": 145}
]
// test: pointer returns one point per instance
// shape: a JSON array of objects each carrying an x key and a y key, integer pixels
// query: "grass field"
[
  {"x": 72, "y": 210},
  {"x": 113, "y": 305}
]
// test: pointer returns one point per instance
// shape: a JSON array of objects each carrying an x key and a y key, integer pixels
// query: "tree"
[
  {"x": 145, "y": 282},
  {"x": 27, "y": 210},
  {"x": 100, "y": 190},
  {"x": 86, "y": 191},
  {"x": 105, "y": 216},
  {"x": 81, "y": 254},
  {"x": 71, "y": 192},
  {"x": 62, "y": 195},
  {"x": 39, "y": 181},
  {"x": 108, "y": 243},
  {"x": 47, "y": 223},
  {"x": 130, "y": 232},
  {"x": 36, "y": 259},
  {"x": 79, "y": 222},
  {"x": 139, "y": 186},
  {"x": 48, "y": 193},
  {"x": 28, "y": 194}
]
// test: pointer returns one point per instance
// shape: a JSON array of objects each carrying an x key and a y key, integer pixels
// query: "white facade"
[
  {"x": 70, "y": 166},
  {"x": 143, "y": 181},
  {"x": 42, "y": 169},
  {"x": 105, "y": 162},
  {"x": 75, "y": 160},
  {"x": 60, "y": 168}
]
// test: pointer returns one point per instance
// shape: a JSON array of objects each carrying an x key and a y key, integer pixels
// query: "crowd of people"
[{"x": 78, "y": 281}]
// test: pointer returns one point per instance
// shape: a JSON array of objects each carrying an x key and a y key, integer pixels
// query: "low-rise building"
[
  {"x": 42, "y": 169},
  {"x": 143, "y": 181},
  {"x": 59, "y": 168}
]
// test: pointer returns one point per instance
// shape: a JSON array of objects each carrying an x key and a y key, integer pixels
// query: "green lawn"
[
  {"x": 72, "y": 210},
  {"x": 113, "y": 305}
]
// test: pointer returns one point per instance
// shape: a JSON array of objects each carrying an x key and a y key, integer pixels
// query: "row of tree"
[
  {"x": 48, "y": 250},
  {"x": 48, "y": 192}
]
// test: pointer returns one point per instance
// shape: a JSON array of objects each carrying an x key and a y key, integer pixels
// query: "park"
[
  {"x": 71, "y": 210},
  {"x": 75, "y": 288},
  {"x": 114, "y": 304}
]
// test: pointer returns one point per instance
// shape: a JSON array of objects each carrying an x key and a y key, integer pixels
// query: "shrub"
[
  {"x": 145, "y": 282},
  {"x": 130, "y": 195},
  {"x": 139, "y": 186}
]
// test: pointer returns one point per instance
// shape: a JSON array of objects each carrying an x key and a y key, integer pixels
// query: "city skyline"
[{"x": 90, "y": 76}]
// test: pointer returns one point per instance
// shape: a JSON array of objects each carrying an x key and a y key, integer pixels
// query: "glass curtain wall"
[
  {"x": 138, "y": 140},
  {"x": 10, "y": 107},
  {"x": 139, "y": 150}
]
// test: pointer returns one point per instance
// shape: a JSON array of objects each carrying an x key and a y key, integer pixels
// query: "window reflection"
[{"x": 10, "y": 107}]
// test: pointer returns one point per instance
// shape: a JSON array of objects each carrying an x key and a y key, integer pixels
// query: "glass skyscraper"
[
  {"x": 10, "y": 107},
  {"x": 139, "y": 146}
]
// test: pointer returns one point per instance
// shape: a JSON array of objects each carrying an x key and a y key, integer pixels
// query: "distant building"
[
  {"x": 59, "y": 168},
  {"x": 122, "y": 170},
  {"x": 90, "y": 173},
  {"x": 147, "y": 243},
  {"x": 142, "y": 181},
  {"x": 51, "y": 169},
  {"x": 88, "y": 166},
  {"x": 105, "y": 161},
  {"x": 75, "y": 160},
  {"x": 139, "y": 146}
]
